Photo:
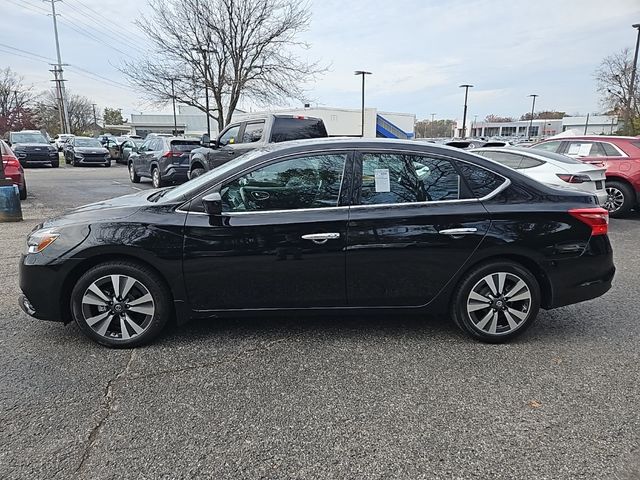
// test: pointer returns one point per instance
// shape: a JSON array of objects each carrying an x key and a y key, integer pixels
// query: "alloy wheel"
[
  {"x": 132, "y": 172},
  {"x": 118, "y": 307},
  {"x": 156, "y": 178},
  {"x": 499, "y": 303},
  {"x": 615, "y": 199}
]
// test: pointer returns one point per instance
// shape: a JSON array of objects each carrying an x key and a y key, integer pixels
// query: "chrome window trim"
[{"x": 489, "y": 196}]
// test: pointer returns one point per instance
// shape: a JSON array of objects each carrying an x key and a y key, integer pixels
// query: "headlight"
[{"x": 40, "y": 240}]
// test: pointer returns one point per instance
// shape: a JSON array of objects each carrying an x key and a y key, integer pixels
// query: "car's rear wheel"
[
  {"x": 23, "y": 190},
  {"x": 196, "y": 172},
  {"x": 133, "y": 176},
  {"x": 496, "y": 301},
  {"x": 121, "y": 304},
  {"x": 156, "y": 178},
  {"x": 620, "y": 198},
  {"x": 108, "y": 163}
]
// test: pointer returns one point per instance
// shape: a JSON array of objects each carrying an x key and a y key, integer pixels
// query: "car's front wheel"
[
  {"x": 496, "y": 301},
  {"x": 620, "y": 198},
  {"x": 55, "y": 163},
  {"x": 133, "y": 176},
  {"x": 121, "y": 304}
]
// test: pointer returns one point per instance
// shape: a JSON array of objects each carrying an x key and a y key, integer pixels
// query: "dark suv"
[
  {"x": 163, "y": 159},
  {"x": 32, "y": 147},
  {"x": 249, "y": 134}
]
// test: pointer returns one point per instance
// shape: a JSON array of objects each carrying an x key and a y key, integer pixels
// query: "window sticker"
[
  {"x": 574, "y": 148},
  {"x": 383, "y": 183},
  {"x": 585, "y": 150}
]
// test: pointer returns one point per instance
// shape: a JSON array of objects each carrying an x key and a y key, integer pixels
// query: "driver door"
[{"x": 281, "y": 242}]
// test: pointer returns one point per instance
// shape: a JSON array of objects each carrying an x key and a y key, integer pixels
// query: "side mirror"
[
  {"x": 205, "y": 140},
  {"x": 9, "y": 143},
  {"x": 213, "y": 204}
]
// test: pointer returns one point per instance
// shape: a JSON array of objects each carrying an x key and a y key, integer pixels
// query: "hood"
[
  {"x": 112, "y": 209},
  {"x": 95, "y": 150}
]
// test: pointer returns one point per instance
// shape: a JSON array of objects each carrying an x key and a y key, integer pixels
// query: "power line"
[
  {"x": 91, "y": 36},
  {"x": 26, "y": 51}
]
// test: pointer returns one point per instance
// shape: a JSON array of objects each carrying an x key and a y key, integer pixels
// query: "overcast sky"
[{"x": 418, "y": 50}]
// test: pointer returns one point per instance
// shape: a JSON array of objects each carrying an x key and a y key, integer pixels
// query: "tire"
[
  {"x": 56, "y": 163},
  {"x": 102, "y": 322},
  {"x": 502, "y": 319},
  {"x": 620, "y": 198},
  {"x": 108, "y": 164},
  {"x": 133, "y": 176},
  {"x": 196, "y": 172},
  {"x": 23, "y": 191},
  {"x": 156, "y": 178}
]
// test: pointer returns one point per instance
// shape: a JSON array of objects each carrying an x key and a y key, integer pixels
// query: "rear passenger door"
[{"x": 413, "y": 224}]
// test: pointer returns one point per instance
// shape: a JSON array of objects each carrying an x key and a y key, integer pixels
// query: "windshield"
[
  {"x": 88, "y": 142},
  {"x": 189, "y": 189},
  {"x": 28, "y": 138}
]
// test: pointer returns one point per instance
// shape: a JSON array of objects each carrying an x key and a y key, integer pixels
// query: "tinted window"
[
  {"x": 183, "y": 145},
  {"x": 285, "y": 129},
  {"x": 481, "y": 182},
  {"x": 397, "y": 178},
  {"x": 511, "y": 160},
  {"x": 548, "y": 146},
  {"x": 558, "y": 157},
  {"x": 253, "y": 132},
  {"x": 609, "y": 150},
  {"x": 306, "y": 182},
  {"x": 230, "y": 136}
]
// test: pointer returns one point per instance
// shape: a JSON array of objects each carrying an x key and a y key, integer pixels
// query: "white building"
[
  {"x": 593, "y": 125},
  {"x": 338, "y": 121}
]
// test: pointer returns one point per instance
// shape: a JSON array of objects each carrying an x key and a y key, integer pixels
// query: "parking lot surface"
[{"x": 316, "y": 397}]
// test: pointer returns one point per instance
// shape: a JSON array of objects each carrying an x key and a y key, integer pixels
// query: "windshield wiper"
[{"x": 158, "y": 195}]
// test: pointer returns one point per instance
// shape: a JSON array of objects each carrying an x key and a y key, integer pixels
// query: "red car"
[
  {"x": 13, "y": 169},
  {"x": 621, "y": 156}
]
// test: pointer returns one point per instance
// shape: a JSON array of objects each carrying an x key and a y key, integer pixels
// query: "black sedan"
[{"x": 332, "y": 225}]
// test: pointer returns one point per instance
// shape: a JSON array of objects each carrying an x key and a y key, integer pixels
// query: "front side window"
[
  {"x": 229, "y": 136},
  {"x": 304, "y": 182},
  {"x": 548, "y": 146},
  {"x": 389, "y": 178},
  {"x": 253, "y": 132}
]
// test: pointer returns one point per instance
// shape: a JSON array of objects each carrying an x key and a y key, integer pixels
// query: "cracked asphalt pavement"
[{"x": 317, "y": 397}]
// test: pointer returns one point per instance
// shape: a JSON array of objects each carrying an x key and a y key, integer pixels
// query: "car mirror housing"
[{"x": 213, "y": 204}]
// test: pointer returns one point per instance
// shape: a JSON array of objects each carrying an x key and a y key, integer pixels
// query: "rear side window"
[
  {"x": 297, "y": 128},
  {"x": 609, "y": 150},
  {"x": 481, "y": 182},
  {"x": 548, "y": 146},
  {"x": 183, "y": 146},
  {"x": 585, "y": 149},
  {"x": 389, "y": 178},
  {"x": 253, "y": 132}
]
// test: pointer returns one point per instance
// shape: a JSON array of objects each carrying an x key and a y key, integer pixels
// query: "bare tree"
[
  {"x": 613, "y": 82},
  {"x": 238, "y": 49},
  {"x": 497, "y": 119},
  {"x": 80, "y": 113},
  {"x": 544, "y": 115},
  {"x": 15, "y": 99}
]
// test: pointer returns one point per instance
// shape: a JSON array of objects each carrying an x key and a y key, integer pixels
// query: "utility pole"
[
  {"x": 173, "y": 99},
  {"x": 464, "y": 114},
  {"x": 65, "y": 126},
  {"x": 628, "y": 125},
  {"x": 586, "y": 124},
  {"x": 533, "y": 107},
  {"x": 206, "y": 88},
  {"x": 95, "y": 119},
  {"x": 60, "y": 107}
]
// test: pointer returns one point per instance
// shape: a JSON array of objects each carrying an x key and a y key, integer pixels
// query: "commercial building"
[
  {"x": 592, "y": 125},
  {"x": 339, "y": 122}
]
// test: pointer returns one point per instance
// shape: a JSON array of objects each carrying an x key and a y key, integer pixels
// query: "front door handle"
[
  {"x": 321, "y": 238},
  {"x": 455, "y": 232}
]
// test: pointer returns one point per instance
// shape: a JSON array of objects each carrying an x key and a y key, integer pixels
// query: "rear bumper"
[
  {"x": 583, "y": 278},
  {"x": 176, "y": 173},
  {"x": 602, "y": 197}
]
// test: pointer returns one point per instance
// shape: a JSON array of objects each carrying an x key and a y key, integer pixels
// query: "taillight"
[
  {"x": 172, "y": 153},
  {"x": 11, "y": 161},
  {"x": 573, "y": 178},
  {"x": 597, "y": 218}
]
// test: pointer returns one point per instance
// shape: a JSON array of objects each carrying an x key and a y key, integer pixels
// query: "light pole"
[
  {"x": 433, "y": 115},
  {"x": 205, "y": 62},
  {"x": 628, "y": 121},
  {"x": 363, "y": 73},
  {"x": 473, "y": 127},
  {"x": 464, "y": 114},
  {"x": 533, "y": 106},
  {"x": 173, "y": 99}
]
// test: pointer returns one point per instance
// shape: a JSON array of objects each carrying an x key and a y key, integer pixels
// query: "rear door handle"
[
  {"x": 321, "y": 238},
  {"x": 454, "y": 232}
]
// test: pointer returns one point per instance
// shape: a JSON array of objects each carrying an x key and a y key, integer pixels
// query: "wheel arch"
[{"x": 78, "y": 270}]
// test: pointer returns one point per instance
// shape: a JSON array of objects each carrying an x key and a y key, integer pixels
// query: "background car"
[
  {"x": 620, "y": 156},
  {"x": 551, "y": 168},
  {"x": 12, "y": 169},
  {"x": 32, "y": 148},
  {"x": 86, "y": 151},
  {"x": 107, "y": 138},
  {"x": 163, "y": 159},
  {"x": 123, "y": 150},
  {"x": 60, "y": 139}
]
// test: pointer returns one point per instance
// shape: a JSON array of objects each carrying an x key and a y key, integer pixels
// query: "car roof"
[
  {"x": 531, "y": 152},
  {"x": 607, "y": 138}
]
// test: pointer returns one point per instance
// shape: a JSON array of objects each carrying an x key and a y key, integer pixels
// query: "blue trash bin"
[{"x": 10, "y": 209}]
